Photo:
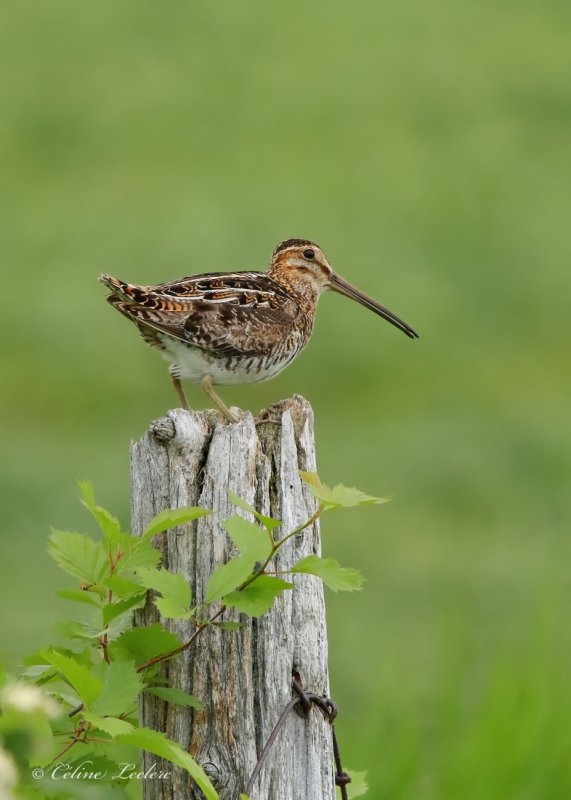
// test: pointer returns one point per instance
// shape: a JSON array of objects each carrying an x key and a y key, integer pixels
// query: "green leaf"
[
  {"x": 227, "y": 577},
  {"x": 108, "y": 524},
  {"x": 119, "y": 625},
  {"x": 37, "y": 671},
  {"x": 80, "y": 596},
  {"x": 331, "y": 573},
  {"x": 157, "y": 743},
  {"x": 358, "y": 786},
  {"x": 258, "y": 597},
  {"x": 340, "y": 496},
  {"x": 78, "y": 555},
  {"x": 268, "y": 522},
  {"x": 173, "y": 586},
  {"x": 72, "y": 629},
  {"x": 171, "y": 518},
  {"x": 248, "y": 537},
  {"x": 119, "y": 691},
  {"x": 143, "y": 644},
  {"x": 113, "y": 610},
  {"x": 173, "y": 695},
  {"x": 111, "y": 725},
  {"x": 139, "y": 553},
  {"x": 79, "y": 677},
  {"x": 121, "y": 587},
  {"x": 170, "y": 609},
  {"x": 66, "y": 697}
]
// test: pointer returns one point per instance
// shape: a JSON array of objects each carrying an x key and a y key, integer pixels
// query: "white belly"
[{"x": 193, "y": 364}]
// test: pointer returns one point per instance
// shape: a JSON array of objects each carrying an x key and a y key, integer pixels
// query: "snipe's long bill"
[{"x": 225, "y": 328}]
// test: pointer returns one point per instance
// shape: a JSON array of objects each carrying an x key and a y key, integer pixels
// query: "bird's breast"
[{"x": 193, "y": 363}]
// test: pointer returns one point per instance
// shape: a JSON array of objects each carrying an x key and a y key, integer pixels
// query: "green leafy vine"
[{"x": 80, "y": 701}]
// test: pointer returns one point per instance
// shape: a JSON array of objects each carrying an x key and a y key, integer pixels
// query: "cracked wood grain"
[{"x": 243, "y": 678}]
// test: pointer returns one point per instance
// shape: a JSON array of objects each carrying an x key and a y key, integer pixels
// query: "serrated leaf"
[
  {"x": 119, "y": 625},
  {"x": 72, "y": 629},
  {"x": 139, "y": 554},
  {"x": 122, "y": 587},
  {"x": 340, "y": 496},
  {"x": 157, "y": 743},
  {"x": 80, "y": 596},
  {"x": 227, "y": 577},
  {"x": 78, "y": 555},
  {"x": 33, "y": 658},
  {"x": 37, "y": 671},
  {"x": 237, "y": 501},
  {"x": 108, "y": 524},
  {"x": 144, "y": 644},
  {"x": 146, "y": 556},
  {"x": 79, "y": 677},
  {"x": 258, "y": 597},
  {"x": 170, "y": 609},
  {"x": 248, "y": 537},
  {"x": 111, "y": 725},
  {"x": 173, "y": 695},
  {"x": 165, "y": 582},
  {"x": 126, "y": 543},
  {"x": 358, "y": 786},
  {"x": 268, "y": 522},
  {"x": 332, "y": 574},
  {"x": 113, "y": 610},
  {"x": 171, "y": 518},
  {"x": 117, "y": 618},
  {"x": 119, "y": 691},
  {"x": 346, "y": 497},
  {"x": 176, "y": 598},
  {"x": 65, "y": 697}
]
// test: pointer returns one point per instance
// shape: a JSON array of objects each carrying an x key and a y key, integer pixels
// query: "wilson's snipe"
[{"x": 237, "y": 327}]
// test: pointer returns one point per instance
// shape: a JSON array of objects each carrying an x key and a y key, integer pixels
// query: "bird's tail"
[{"x": 119, "y": 289}]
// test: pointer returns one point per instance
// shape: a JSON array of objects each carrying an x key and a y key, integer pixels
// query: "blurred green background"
[{"x": 426, "y": 147}]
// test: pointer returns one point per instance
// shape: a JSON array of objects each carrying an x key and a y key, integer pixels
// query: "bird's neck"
[{"x": 300, "y": 285}]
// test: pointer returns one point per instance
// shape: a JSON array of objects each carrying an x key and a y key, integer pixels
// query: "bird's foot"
[
  {"x": 208, "y": 387},
  {"x": 230, "y": 416}
]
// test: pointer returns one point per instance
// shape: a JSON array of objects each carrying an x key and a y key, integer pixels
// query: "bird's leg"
[
  {"x": 209, "y": 389},
  {"x": 180, "y": 391}
]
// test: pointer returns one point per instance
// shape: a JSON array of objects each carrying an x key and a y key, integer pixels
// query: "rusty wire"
[{"x": 302, "y": 702}]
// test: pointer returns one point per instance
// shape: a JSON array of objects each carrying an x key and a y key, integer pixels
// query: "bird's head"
[{"x": 301, "y": 263}]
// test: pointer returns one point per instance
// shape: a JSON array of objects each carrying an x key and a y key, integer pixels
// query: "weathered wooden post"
[{"x": 244, "y": 677}]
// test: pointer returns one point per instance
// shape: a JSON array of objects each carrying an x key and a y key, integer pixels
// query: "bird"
[{"x": 229, "y": 328}]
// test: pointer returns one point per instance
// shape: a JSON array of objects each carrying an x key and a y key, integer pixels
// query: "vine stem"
[
  {"x": 104, "y": 639},
  {"x": 183, "y": 647},
  {"x": 277, "y": 545},
  {"x": 201, "y": 626},
  {"x": 78, "y": 733}
]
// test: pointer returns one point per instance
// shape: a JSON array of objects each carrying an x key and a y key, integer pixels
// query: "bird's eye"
[{"x": 309, "y": 254}]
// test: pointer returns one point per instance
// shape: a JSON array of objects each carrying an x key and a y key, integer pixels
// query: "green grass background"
[{"x": 426, "y": 147}]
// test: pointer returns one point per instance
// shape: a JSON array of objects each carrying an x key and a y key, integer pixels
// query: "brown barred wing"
[
  {"x": 240, "y": 288},
  {"x": 223, "y": 328}
]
